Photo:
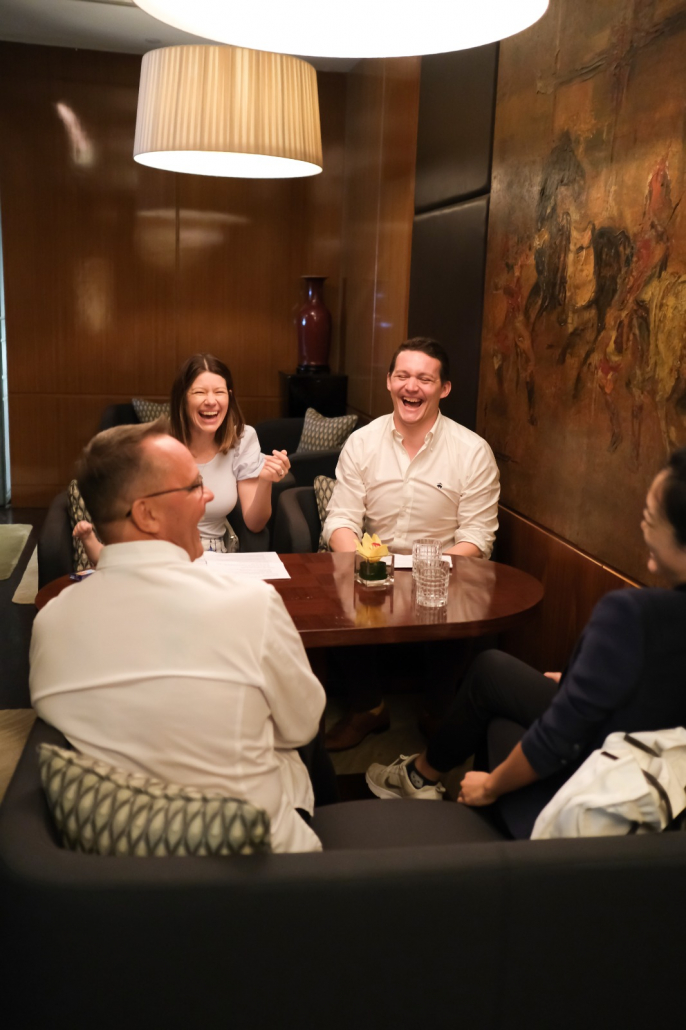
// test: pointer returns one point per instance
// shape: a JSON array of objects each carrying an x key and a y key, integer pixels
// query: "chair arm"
[
  {"x": 55, "y": 552},
  {"x": 287, "y": 483},
  {"x": 249, "y": 542},
  {"x": 297, "y": 525}
]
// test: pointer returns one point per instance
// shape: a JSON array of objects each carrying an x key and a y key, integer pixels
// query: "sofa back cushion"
[
  {"x": 323, "y": 489},
  {"x": 78, "y": 512},
  {"x": 324, "y": 434},
  {"x": 150, "y": 411},
  {"x": 101, "y": 810}
]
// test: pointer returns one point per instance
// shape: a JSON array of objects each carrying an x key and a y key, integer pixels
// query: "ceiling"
[{"x": 116, "y": 25}]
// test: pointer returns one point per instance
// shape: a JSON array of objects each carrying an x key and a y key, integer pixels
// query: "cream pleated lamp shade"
[{"x": 226, "y": 110}]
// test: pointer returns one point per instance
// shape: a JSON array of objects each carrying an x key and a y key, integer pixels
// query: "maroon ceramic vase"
[{"x": 314, "y": 328}]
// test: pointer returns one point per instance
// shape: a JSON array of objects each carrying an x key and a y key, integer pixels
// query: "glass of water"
[
  {"x": 432, "y": 581},
  {"x": 426, "y": 550}
]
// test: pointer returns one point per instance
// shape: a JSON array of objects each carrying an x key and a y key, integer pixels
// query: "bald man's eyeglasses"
[{"x": 197, "y": 485}]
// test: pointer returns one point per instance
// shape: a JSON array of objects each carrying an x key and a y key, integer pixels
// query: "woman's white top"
[{"x": 221, "y": 475}]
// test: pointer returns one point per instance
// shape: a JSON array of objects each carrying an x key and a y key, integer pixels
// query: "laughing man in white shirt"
[
  {"x": 158, "y": 665},
  {"x": 407, "y": 475}
]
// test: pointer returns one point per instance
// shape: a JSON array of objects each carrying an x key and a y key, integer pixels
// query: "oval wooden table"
[{"x": 330, "y": 609}]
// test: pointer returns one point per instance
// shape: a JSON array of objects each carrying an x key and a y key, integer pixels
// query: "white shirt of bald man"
[{"x": 157, "y": 665}]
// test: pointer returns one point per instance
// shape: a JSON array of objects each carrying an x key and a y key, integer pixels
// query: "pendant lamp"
[
  {"x": 350, "y": 28},
  {"x": 224, "y": 110}
]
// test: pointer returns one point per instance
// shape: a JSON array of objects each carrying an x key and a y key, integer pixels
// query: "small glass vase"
[{"x": 374, "y": 574}]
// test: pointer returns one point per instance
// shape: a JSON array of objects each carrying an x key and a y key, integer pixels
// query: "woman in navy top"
[{"x": 627, "y": 672}]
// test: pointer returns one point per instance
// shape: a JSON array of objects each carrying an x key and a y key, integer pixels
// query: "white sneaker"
[{"x": 392, "y": 781}]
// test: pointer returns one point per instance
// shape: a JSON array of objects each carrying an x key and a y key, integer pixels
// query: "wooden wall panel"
[
  {"x": 396, "y": 212},
  {"x": 573, "y": 583},
  {"x": 381, "y": 135},
  {"x": 115, "y": 273},
  {"x": 323, "y": 209}
]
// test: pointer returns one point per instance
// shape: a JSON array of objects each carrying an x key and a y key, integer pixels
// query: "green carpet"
[{"x": 12, "y": 541}]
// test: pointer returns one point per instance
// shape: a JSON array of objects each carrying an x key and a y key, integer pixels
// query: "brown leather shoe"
[{"x": 354, "y": 727}]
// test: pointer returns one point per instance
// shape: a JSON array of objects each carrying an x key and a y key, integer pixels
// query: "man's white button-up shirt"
[
  {"x": 448, "y": 491},
  {"x": 161, "y": 666}
]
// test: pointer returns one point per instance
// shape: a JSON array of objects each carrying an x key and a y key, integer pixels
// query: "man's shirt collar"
[
  {"x": 141, "y": 552},
  {"x": 432, "y": 434}
]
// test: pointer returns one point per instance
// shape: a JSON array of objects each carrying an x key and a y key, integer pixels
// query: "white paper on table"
[
  {"x": 257, "y": 565},
  {"x": 404, "y": 561}
]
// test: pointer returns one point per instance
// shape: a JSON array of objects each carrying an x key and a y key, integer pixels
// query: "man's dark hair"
[
  {"x": 673, "y": 499},
  {"x": 109, "y": 465},
  {"x": 427, "y": 346}
]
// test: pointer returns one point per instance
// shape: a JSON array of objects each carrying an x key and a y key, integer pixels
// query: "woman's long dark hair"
[{"x": 231, "y": 429}]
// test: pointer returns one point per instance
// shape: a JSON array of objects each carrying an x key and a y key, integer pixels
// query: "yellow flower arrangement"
[
  {"x": 371, "y": 548},
  {"x": 369, "y": 568}
]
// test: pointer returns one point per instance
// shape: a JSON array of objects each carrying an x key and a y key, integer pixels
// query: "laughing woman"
[{"x": 206, "y": 417}]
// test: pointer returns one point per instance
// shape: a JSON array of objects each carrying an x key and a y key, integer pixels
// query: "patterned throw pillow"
[
  {"x": 150, "y": 411},
  {"x": 323, "y": 489},
  {"x": 324, "y": 434},
  {"x": 77, "y": 513},
  {"x": 105, "y": 811}
]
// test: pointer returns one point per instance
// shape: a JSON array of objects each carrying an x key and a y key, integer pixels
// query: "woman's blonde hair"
[{"x": 231, "y": 429}]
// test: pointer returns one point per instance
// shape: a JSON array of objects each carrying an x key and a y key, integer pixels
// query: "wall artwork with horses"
[{"x": 583, "y": 373}]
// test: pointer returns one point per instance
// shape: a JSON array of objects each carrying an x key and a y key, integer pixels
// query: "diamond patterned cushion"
[
  {"x": 324, "y": 434},
  {"x": 105, "y": 811},
  {"x": 323, "y": 489},
  {"x": 150, "y": 411},
  {"x": 77, "y": 513}
]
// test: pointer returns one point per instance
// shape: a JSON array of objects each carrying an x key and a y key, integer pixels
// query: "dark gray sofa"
[{"x": 394, "y": 925}]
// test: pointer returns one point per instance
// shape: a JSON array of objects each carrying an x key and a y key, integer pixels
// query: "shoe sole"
[{"x": 384, "y": 793}]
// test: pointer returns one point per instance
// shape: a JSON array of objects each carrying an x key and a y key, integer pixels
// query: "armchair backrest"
[
  {"x": 279, "y": 434},
  {"x": 118, "y": 415}
]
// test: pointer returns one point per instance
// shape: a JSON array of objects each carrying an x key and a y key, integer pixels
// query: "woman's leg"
[{"x": 497, "y": 685}]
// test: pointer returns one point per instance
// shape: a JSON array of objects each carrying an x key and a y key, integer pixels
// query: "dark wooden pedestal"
[{"x": 301, "y": 390}]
